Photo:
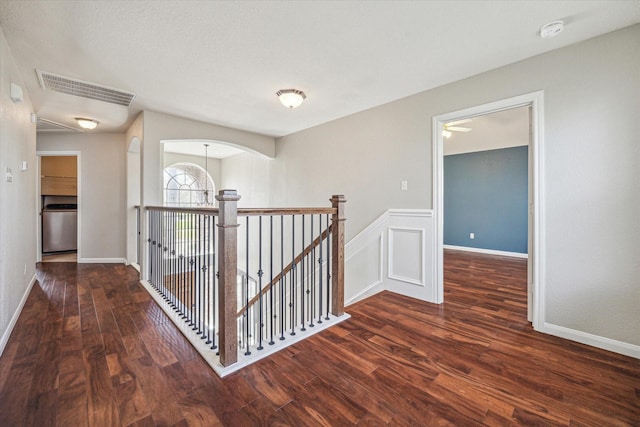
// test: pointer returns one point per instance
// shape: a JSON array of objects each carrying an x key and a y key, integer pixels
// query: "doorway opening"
[
  {"x": 486, "y": 183},
  {"x": 58, "y": 236},
  {"x": 534, "y": 103}
]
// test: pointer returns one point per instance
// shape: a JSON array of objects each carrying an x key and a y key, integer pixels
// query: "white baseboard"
[
  {"x": 102, "y": 261},
  {"x": 486, "y": 251},
  {"x": 370, "y": 290},
  {"x": 16, "y": 314},
  {"x": 593, "y": 340},
  {"x": 210, "y": 356}
]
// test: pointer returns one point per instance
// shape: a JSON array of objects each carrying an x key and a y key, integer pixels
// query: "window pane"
[{"x": 185, "y": 185}]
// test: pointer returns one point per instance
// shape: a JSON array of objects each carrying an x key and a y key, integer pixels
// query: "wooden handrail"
[
  {"x": 287, "y": 269},
  {"x": 247, "y": 211},
  {"x": 285, "y": 211},
  {"x": 206, "y": 211}
]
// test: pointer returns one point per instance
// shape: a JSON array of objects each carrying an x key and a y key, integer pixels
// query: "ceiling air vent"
[
  {"x": 57, "y": 83},
  {"x": 45, "y": 125}
]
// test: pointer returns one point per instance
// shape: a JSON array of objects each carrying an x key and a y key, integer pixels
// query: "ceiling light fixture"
[
  {"x": 551, "y": 29},
  {"x": 291, "y": 98},
  {"x": 87, "y": 123}
]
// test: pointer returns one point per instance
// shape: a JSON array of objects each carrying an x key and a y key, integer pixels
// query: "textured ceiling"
[{"x": 222, "y": 62}]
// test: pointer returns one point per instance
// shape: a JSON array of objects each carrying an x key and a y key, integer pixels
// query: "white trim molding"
[
  {"x": 393, "y": 231},
  {"x": 16, "y": 314},
  {"x": 535, "y": 100},
  {"x": 210, "y": 355},
  {"x": 369, "y": 256},
  {"x": 604, "y": 343},
  {"x": 78, "y": 156},
  {"x": 487, "y": 251},
  {"x": 358, "y": 249},
  {"x": 102, "y": 261}
]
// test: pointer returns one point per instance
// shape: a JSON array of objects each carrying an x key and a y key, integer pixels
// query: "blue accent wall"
[{"x": 486, "y": 193}]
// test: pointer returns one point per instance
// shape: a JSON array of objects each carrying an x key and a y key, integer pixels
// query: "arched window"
[{"x": 188, "y": 185}]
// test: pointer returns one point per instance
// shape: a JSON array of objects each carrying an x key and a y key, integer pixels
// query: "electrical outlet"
[
  {"x": 472, "y": 236},
  {"x": 404, "y": 185}
]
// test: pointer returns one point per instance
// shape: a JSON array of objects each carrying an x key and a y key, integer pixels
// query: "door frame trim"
[{"x": 535, "y": 100}]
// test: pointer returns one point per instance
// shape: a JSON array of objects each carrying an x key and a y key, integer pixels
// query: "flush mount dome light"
[
  {"x": 291, "y": 98},
  {"x": 86, "y": 123},
  {"x": 551, "y": 29}
]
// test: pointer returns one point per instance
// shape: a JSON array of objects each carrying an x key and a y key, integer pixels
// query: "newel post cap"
[
  {"x": 338, "y": 202},
  {"x": 228, "y": 195}
]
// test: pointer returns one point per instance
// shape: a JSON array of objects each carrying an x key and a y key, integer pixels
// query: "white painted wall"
[
  {"x": 18, "y": 214},
  {"x": 159, "y": 127},
  {"x": 133, "y": 140},
  {"x": 251, "y": 176},
  {"x": 102, "y": 201},
  {"x": 361, "y": 156},
  {"x": 590, "y": 170},
  {"x": 133, "y": 198}
]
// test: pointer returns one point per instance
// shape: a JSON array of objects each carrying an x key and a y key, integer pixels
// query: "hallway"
[{"x": 92, "y": 348}]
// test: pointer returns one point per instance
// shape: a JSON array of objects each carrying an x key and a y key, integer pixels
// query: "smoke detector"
[{"x": 551, "y": 29}]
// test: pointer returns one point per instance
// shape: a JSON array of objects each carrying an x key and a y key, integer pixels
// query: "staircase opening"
[{"x": 242, "y": 284}]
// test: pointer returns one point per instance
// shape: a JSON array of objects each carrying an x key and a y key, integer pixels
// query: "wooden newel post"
[
  {"x": 227, "y": 271},
  {"x": 337, "y": 260}
]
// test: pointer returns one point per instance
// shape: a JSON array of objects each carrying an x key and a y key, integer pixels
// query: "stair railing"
[
  {"x": 292, "y": 265},
  {"x": 242, "y": 279}
]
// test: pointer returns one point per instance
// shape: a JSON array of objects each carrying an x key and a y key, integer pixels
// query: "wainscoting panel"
[
  {"x": 364, "y": 274},
  {"x": 395, "y": 253},
  {"x": 406, "y": 255}
]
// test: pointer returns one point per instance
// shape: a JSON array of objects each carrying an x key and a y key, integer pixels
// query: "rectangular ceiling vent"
[
  {"x": 45, "y": 125},
  {"x": 62, "y": 84}
]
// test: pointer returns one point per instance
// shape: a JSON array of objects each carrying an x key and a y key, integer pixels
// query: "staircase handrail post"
[
  {"x": 227, "y": 271},
  {"x": 337, "y": 251}
]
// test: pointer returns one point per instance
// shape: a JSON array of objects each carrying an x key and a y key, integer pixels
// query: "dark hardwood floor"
[{"x": 91, "y": 348}]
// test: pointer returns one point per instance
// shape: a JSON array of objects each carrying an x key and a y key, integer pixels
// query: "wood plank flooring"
[
  {"x": 92, "y": 349},
  {"x": 61, "y": 257}
]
